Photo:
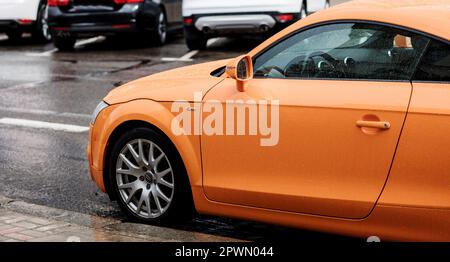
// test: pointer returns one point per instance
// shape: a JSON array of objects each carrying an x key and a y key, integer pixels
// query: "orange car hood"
[{"x": 176, "y": 84}]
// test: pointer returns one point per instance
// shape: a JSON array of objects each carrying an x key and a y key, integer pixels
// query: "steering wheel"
[
  {"x": 305, "y": 66},
  {"x": 301, "y": 66}
]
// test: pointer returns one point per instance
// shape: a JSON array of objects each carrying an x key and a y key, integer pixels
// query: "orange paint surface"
[{"x": 326, "y": 173}]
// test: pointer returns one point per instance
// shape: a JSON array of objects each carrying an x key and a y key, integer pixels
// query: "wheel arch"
[
  {"x": 159, "y": 120},
  {"x": 115, "y": 136}
]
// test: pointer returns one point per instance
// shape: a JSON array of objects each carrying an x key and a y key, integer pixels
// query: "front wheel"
[{"x": 148, "y": 178}]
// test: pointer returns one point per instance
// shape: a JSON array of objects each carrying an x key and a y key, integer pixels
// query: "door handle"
[{"x": 374, "y": 124}]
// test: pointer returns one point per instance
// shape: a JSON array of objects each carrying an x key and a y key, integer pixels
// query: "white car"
[
  {"x": 204, "y": 19},
  {"x": 20, "y": 16}
]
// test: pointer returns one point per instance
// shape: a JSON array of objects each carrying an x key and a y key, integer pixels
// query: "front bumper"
[{"x": 95, "y": 172}]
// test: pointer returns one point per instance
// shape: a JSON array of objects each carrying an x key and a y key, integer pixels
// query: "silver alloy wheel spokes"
[
  {"x": 162, "y": 28},
  {"x": 44, "y": 23},
  {"x": 145, "y": 178}
]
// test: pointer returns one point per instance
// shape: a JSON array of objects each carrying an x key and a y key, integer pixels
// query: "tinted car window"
[
  {"x": 435, "y": 64},
  {"x": 345, "y": 50}
]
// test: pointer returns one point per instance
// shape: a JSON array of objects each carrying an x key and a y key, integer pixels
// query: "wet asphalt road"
[{"x": 50, "y": 167}]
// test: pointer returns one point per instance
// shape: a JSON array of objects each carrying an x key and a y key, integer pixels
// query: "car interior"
[{"x": 369, "y": 52}]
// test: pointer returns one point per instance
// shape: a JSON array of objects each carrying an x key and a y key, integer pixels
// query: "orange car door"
[
  {"x": 337, "y": 138},
  {"x": 324, "y": 163}
]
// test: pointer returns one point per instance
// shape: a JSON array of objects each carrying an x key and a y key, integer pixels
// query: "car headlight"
[{"x": 102, "y": 105}]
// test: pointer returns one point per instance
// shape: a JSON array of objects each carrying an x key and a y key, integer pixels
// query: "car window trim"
[
  {"x": 430, "y": 82},
  {"x": 335, "y": 79},
  {"x": 343, "y": 21}
]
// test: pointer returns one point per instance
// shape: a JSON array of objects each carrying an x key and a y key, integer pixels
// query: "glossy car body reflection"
[{"x": 362, "y": 149}]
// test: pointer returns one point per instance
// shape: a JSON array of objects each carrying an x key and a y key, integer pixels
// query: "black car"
[{"x": 70, "y": 19}]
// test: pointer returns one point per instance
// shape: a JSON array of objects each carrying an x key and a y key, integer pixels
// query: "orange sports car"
[{"x": 340, "y": 123}]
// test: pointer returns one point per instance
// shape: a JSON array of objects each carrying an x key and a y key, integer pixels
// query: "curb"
[{"x": 141, "y": 232}]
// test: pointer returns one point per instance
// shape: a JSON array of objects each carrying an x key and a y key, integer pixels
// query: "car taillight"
[
  {"x": 122, "y": 2},
  {"x": 25, "y": 21},
  {"x": 58, "y": 2},
  {"x": 188, "y": 20},
  {"x": 283, "y": 18}
]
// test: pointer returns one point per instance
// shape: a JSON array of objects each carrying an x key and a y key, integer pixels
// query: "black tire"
[
  {"x": 195, "y": 40},
  {"x": 41, "y": 32},
  {"x": 158, "y": 36},
  {"x": 14, "y": 36},
  {"x": 181, "y": 207},
  {"x": 64, "y": 41}
]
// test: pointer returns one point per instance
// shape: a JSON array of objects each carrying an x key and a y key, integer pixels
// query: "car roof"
[{"x": 429, "y": 16}]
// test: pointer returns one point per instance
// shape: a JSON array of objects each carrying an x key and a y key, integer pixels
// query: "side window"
[
  {"x": 344, "y": 51},
  {"x": 435, "y": 64}
]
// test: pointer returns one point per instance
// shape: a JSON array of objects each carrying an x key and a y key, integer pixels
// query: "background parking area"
[{"x": 43, "y": 90}]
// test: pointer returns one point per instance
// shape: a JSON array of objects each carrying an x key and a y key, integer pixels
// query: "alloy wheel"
[
  {"x": 145, "y": 178},
  {"x": 162, "y": 28},
  {"x": 44, "y": 24}
]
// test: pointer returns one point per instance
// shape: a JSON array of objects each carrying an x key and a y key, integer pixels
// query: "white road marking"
[
  {"x": 22, "y": 86},
  {"x": 37, "y": 83},
  {"x": 189, "y": 56},
  {"x": 186, "y": 58},
  {"x": 89, "y": 41},
  {"x": 212, "y": 41},
  {"x": 43, "y": 125},
  {"x": 77, "y": 44},
  {"x": 3, "y": 37},
  {"x": 46, "y": 53},
  {"x": 43, "y": 112}
]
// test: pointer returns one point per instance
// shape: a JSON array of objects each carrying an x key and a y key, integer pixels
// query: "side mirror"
[{"x": 241, "y": 69}]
